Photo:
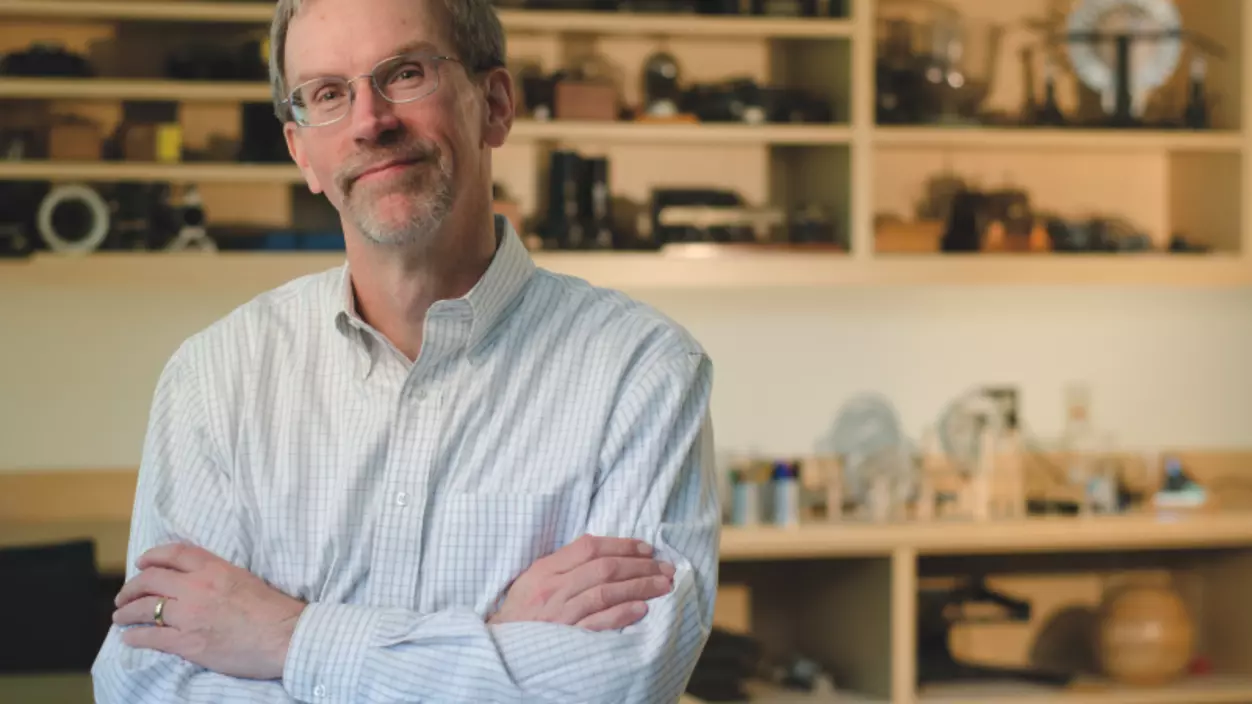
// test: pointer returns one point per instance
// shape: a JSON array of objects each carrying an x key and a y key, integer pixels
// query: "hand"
[
  {"x": 595, "y": 583},
  {"x": 217, "y": 615}
]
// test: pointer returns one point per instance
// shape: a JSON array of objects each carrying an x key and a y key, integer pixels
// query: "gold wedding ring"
[{"x": 158, "y": 614}]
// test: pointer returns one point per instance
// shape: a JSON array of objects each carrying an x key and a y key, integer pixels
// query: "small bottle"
[
  {"x": 1080, "y": 443},
  {"x": 786, "y": 494},
  {"x": 745, "y": 507}
]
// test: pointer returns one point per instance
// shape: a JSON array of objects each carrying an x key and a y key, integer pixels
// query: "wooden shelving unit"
[
  {"x": 845, "y": 594},
  {"x": 1166, "y": 182}
]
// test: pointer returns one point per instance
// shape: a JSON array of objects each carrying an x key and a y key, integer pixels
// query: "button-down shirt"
[{"x": 399, "y": 500}]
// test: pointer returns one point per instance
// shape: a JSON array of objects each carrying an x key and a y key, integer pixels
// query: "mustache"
[{"x": 362, "y": 162}]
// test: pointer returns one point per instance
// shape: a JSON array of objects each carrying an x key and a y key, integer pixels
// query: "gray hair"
[{"x": 475, "y": 29}]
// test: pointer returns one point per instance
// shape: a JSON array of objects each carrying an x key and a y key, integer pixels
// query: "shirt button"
[
  {"x": 402, "y": 498},
  {"x": 421, "y": 395},
  {"x": 319, "y": 691}
]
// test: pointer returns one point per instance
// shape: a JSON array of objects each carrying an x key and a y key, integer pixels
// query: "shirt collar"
[{"x": 486, "y": 304}]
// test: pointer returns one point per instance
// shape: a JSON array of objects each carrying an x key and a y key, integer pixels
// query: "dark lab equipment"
[{"x": 939, "y": 610}]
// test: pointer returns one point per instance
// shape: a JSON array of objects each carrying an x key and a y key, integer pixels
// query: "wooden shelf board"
[
  {"x": 674, "y": 24},
  {"x": 1035, "y": 535},
  {"x": 1047, "y": 138},
  {"x": 111, "y": 171},
  {"x": 146, "y": 10},
  {"x": 705, "y": 133},
  {"x": 541, "y": 21},
  {"x": 762, "y": 693},
  {"x": 1149, "y": 269},
  {"x": 685, "y": 270},
  {"x": 523, "y": 130},
  {"x": 132, "y": 89},
  {"x": 1198, "y": 690}
]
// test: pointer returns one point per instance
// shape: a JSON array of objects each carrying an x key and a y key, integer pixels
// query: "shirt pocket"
[{"x": 479, "y": 543}]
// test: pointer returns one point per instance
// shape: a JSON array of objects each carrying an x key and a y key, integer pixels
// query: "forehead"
[{"x": 347, "y": 37}]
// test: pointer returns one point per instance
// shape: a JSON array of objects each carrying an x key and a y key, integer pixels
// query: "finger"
[
  {"x": 143, "y": 612},
  {"x": 606, "y": 596},
  {"x": 176, "y": 556},
  {"x": 606, "y": 570},
  {"x": 619, "y": 616},
  {"x": 154, "y": 581},
  {"x": 588, "y": 548},
  {"x": 166, "y": 640}
]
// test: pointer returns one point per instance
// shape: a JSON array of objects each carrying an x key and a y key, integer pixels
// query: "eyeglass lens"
[{"x": 399, "y": 80}]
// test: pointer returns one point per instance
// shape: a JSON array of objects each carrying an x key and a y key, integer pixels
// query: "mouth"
[{"x": 386, "y": 168}]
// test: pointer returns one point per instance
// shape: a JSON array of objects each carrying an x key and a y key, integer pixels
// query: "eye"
[
  {"x": 327, "y": 93},
  {"x": 407, "y": 73}
]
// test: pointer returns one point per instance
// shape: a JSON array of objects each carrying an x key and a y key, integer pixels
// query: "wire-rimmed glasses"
[{"x": 405, "y": 78}]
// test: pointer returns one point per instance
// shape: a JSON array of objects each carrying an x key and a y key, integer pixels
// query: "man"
[{"x": 438, "y": 473}]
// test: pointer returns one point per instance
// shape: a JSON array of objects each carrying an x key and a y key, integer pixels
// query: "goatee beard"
[
  {"x": 430, "y": 205},
  {"x": 427, "y": 191}
]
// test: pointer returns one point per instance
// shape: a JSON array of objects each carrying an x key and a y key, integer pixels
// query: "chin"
[
  {"x": 400, "y": 213},
  {"x": 400, "y": 220}
]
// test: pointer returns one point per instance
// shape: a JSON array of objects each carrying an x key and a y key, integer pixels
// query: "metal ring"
[
  {"x": 158, "y": 614},
  {"x": 73, "y": 193}
]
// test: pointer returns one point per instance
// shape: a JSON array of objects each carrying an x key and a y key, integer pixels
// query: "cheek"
[{"x": 323, "y": 163}]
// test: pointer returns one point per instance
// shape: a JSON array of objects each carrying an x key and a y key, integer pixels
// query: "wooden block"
[
  {"x": 585, "y": 101},
  {"x": 75, "y": 142},
  {"x": 896, "y": 237}
]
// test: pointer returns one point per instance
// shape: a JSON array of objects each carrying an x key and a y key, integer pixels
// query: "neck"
[{"x": 395, "y": 287}]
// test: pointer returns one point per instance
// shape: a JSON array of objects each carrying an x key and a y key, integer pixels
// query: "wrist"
[
  {"x": 327, "y": 652},
  {"x": 283, "y": 633}
]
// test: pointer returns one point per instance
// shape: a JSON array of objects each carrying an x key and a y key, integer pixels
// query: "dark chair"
[{"x": 54, "y": 614}]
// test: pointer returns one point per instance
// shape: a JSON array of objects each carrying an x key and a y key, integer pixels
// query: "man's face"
[{"x": 392, "y": 170}]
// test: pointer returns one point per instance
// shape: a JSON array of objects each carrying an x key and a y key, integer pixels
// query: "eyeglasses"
[{"x": 400, "y": 79}]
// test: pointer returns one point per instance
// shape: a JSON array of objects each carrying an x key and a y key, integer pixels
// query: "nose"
[{"x": 372, "y": 115}]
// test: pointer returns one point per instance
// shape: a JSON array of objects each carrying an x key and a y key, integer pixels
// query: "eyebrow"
[{"x": 420, "y": 45}]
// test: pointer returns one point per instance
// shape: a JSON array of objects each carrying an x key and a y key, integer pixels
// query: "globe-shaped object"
[
  {"x": 867, "y": 434},
  {"x": 1146, "y": 636}
]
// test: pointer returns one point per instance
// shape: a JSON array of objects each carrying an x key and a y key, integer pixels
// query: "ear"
[
  {"x": 295, "y": 146},
  {"x": 501, "y": 106}
]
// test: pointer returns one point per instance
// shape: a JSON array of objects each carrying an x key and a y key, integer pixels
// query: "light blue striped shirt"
[{"x": 399, "y": 500}]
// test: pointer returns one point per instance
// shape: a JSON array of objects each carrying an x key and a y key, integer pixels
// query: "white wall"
[{"x": 1167, "y": 367}]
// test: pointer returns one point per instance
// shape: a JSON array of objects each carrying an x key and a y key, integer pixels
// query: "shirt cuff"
[{"x": 328, "y": 651}]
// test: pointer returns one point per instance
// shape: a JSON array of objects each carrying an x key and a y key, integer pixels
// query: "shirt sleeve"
[
  {"x": 183, "y": 495},
  {"x": 656, "y": 484}
]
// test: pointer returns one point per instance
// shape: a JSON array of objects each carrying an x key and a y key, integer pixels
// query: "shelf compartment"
[
  {"x": 834, "y": 613},
  {"x": 1065, "y": 592},
  {"x": 514, "y": 20},
  {"x": 1151, "y": 196}
]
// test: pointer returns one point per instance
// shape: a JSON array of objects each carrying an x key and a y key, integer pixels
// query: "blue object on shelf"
[{"x": 300, "y": 241}]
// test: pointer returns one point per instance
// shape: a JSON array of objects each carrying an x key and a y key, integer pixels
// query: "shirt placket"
[{"x": 419, "y": 413}]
